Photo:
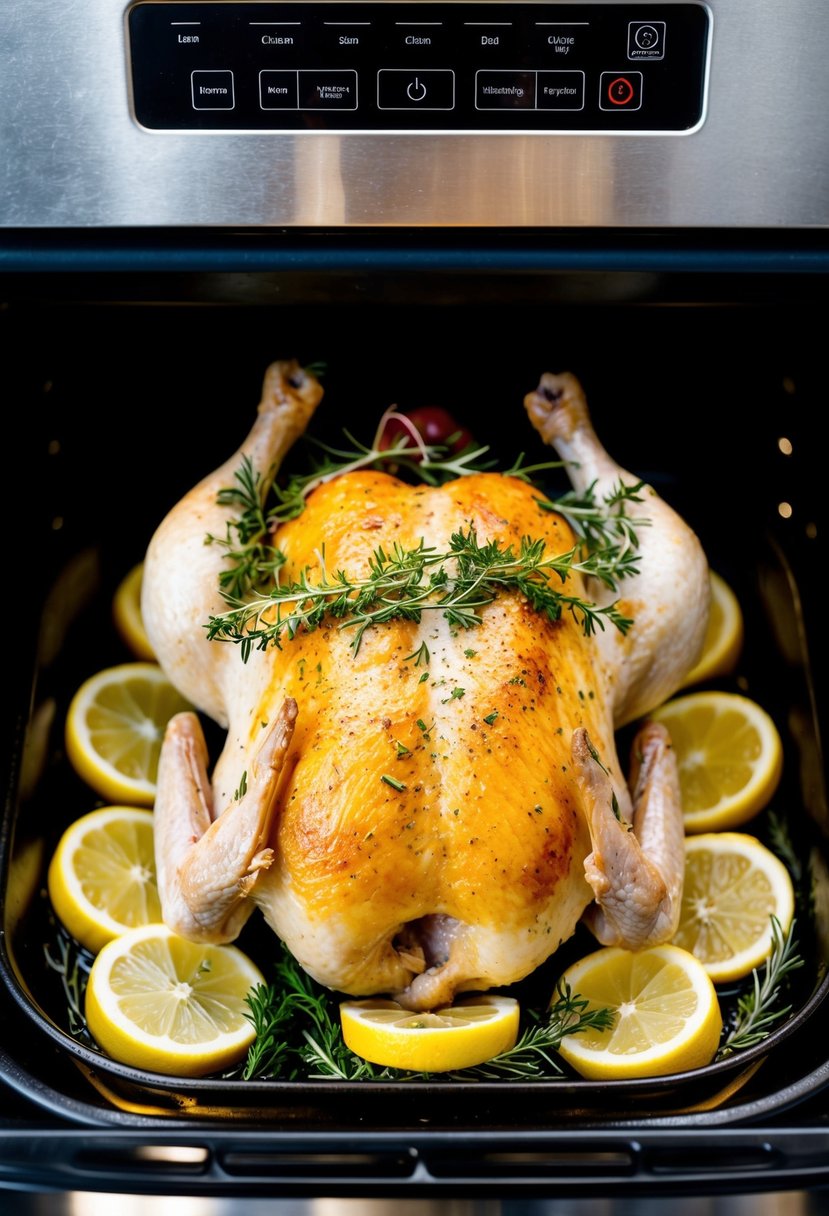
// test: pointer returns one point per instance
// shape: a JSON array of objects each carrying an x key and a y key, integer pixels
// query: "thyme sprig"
[
  {"x": 603, "y": 524},
  {"x": 404, "y": 583},
  {"x": 757, "y": 1009},
  {"x": 253, "y": 559},
  {"x": 262, "y": 503}
]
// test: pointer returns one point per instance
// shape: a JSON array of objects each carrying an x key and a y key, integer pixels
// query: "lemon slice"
[
  {"x": 733, "y": 886},
  {"x": 729, "y": 754},
  {"x": 163, "y": 1004},
  {"x": 456, "y": 1036},
  {"x": 724, "y": 636},
  {"x": 114, "y": 730},
  {"x": 126, "y": 613},
  {"x": 666, "y": 1014},
  {"x": 101, "y": 878}
]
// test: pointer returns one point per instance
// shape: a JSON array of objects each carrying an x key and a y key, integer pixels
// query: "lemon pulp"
[
  {"x": 158, "y": 1002},
  {"x": 729, "y": 754},
  {"x": 667, "y": 1016},
  {"x": 114, "y": 730},
  {"x": 101, "y": 878},
  {"x": 733, "y": 886}
]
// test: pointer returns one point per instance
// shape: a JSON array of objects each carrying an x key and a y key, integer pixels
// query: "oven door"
[{"x": 127, "y": 384}]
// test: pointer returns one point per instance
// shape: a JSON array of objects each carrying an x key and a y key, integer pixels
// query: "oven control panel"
[{"x": 331, "y": 66}]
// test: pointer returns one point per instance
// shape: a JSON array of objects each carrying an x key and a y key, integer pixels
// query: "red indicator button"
[{"x": 620, "y": 91}]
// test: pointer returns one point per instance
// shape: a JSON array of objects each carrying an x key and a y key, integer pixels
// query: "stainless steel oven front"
[
  {"x": 590, "y": 114},
  {"x": 441, "y": 200}
]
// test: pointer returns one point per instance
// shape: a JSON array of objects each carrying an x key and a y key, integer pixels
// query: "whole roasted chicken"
[{"x": 434, "y": 810}]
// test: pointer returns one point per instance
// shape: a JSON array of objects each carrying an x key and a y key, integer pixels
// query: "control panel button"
[
  {"x": 560, "y": 90},
  {"x": 620, "y": 91},
  {"x": 646, "y": 40},
  {"x": 504, "y": 90},
  {"x": 278, "y": 90},
  {"x": 327, "y": 90},
  {"x": 455, "y": 66},
  {"x": 212, "y": 90},
  {"x": 409, "y": 89}
]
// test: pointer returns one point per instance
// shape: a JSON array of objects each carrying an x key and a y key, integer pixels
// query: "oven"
[{"x": 439, "y": 201}]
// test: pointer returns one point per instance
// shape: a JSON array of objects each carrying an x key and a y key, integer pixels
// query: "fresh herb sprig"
[
  {"x": 404, "y": 583},
  {"x": 534, "y": 1055},
  {"x": 252, "y": 559},
  {"x": 296, "y": 1027},
  {"x": 298, "y": 1034},
  {"x": 758, "y": 1009},
  {"x": 73, "y": 975},
  {"x": 596, "y": 519},
  {"x": 264, "y": 502}
]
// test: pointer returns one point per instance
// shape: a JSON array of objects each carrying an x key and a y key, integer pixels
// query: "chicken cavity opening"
[{"x": 431, "y": 947}]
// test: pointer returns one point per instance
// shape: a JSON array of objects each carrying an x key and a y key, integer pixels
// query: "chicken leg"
[
  {"x": 180, "y": 585},
  {"x": 668, "y": 597}
]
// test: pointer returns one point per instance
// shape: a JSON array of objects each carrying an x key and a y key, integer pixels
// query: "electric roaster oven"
[{"x": 447, "y": 206}]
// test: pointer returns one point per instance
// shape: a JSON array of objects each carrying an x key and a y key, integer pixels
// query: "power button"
[{"x": 620, "y": 91}]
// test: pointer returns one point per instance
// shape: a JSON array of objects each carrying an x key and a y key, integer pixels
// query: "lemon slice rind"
[
  {"x": 81, "y": 884},
  {"x": 735, "y": 786},
  {"x": 467, "y": 1033},
  {"x": 126, "y": 613},
  {"x": 686, "y": 1016},
  {"x": 755, "y": 885},
  {"x": 106, "y": 715},
  {"x": 724, "y": 638},
  {"x": 149, "y": 981}
]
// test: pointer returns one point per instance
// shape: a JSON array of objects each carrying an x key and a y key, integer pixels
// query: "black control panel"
[{"x": 333, "y": 66}]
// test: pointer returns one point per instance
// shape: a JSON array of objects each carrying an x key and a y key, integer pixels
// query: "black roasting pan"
[{"x": 122, "y": 406}]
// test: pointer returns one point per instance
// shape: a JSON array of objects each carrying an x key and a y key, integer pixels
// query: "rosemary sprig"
[
  {"x": 756, "y": 1012},
  {"x": 405, "y": 583},
  {"x": 296, "y": 1027},
  {"x": 603, "y": 525},
  {"x": 533, "y": 1056},
  {"x": 73, "y": 980},
  {"x": 298, "y": 1034}
]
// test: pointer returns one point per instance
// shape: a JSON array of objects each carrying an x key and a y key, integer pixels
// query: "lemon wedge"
[
  {"x": 730, "y": 757},
  {"x": 101, "y": 878},
  {"x": 666, "y": 1014},
  {"x": 114, "y": 729},
  {"x": 126, "y": 613},
  {"x": 724, "y": 636},
  {"x": 733, "y": 886},
  {"x": 461, "y": 1035},
  {"x": 162, "y": 1004}
]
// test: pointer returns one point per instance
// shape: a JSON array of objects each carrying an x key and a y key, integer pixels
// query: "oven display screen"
[{"x": 529, "y": 67}]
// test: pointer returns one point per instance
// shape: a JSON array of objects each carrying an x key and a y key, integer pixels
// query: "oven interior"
[{"x": 129, "y": 391}]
